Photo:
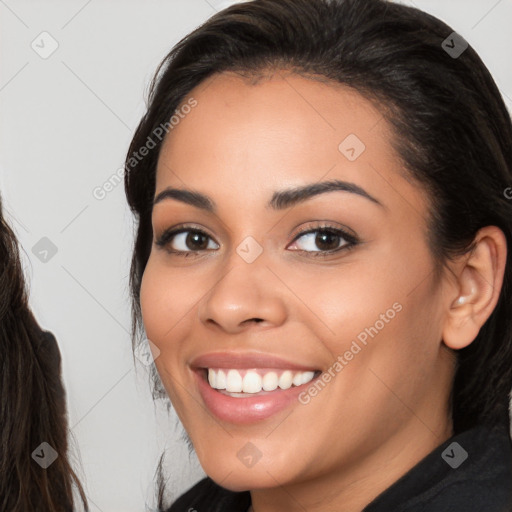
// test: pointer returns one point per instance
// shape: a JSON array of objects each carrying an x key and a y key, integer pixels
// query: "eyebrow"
[{"x": 280, "y": 200}]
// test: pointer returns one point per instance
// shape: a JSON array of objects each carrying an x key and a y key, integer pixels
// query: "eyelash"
[{"x": 350, "y": 240}]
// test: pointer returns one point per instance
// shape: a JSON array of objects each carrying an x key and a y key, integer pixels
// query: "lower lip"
[{"x": 250, "y": 409}]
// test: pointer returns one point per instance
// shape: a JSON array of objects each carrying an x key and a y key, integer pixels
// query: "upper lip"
[{"x": 246, "y": 360}]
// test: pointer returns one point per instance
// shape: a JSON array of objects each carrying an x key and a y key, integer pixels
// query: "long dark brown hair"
[
  {"x": 32, "y": 400},
  {"x": 450, "y": 126}
]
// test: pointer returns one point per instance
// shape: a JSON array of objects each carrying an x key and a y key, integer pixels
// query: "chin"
[
  {"x": 248, "y": 482},
  {"x": 237, "y": 478}
]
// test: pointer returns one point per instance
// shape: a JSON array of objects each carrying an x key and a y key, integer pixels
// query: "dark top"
[{"x": 470, "y": 472}]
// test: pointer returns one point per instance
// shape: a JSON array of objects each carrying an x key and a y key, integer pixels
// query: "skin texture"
[{"x": 389, "y": 406}]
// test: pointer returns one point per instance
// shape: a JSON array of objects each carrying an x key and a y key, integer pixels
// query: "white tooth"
[
  {"x": 297, "y": 379},
  {"x": 270, "y": 381},
  {"x": 285, "y": 381},
  {"x": 221, "y": 379},
  {"x": 251, "y": 383},
  {"x": 212, "y": 378},
  {"x": 234, "y": 382},
  {"x": 306, "y": 377}
]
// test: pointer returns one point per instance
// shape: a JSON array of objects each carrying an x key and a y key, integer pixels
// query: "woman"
[
  {"x": 35, "y": 473},
  {"x": 321, "y": 259}
]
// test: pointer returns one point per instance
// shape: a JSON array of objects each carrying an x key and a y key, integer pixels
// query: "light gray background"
[{"x": 66, "y": 122}]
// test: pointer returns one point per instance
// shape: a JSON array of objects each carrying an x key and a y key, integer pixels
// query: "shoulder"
[
  {"x": 472, "y": 471},
  {"x": 483, "y": 481}
]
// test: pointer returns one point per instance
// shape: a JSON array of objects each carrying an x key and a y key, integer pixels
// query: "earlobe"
[{"x": 477, "y": 288}]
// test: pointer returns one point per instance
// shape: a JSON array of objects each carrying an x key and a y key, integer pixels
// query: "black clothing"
[
  {"x": 470, "y": 472},
  {"x": 482, "y": 482}
]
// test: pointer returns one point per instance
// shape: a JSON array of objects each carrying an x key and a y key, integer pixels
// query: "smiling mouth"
[{"x": 240, "y": 383}]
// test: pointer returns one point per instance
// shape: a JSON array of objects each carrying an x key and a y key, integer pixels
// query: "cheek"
[
  {"x": 381, "y": 310},
  {"x": 161, "y": 308},
  {"x": 162, "y": 302},
  {"x": 151, "y": 303},
  {"x": 168, "y": 301}
]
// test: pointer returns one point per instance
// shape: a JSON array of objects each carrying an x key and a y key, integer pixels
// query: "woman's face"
[{"x": 275, "y": 279}]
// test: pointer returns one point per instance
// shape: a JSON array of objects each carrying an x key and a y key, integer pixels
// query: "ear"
[{"x": 476, "y": 290}]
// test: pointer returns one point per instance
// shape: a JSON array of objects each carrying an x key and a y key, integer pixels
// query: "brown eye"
[
  {"x": 323, "y": 241},
  {"x": 196, "y": 241},
  {"x": 186, "y": 241},
  {"x": 327, "y": 241}
]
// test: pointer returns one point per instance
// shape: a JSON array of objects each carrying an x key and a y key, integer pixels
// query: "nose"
[{"x": 246, "y": 294}]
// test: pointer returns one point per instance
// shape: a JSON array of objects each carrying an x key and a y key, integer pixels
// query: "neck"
[{"x": 351, "y": 489}]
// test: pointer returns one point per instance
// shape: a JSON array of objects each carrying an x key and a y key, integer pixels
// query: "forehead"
[{"x": 282, "y": 130}]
